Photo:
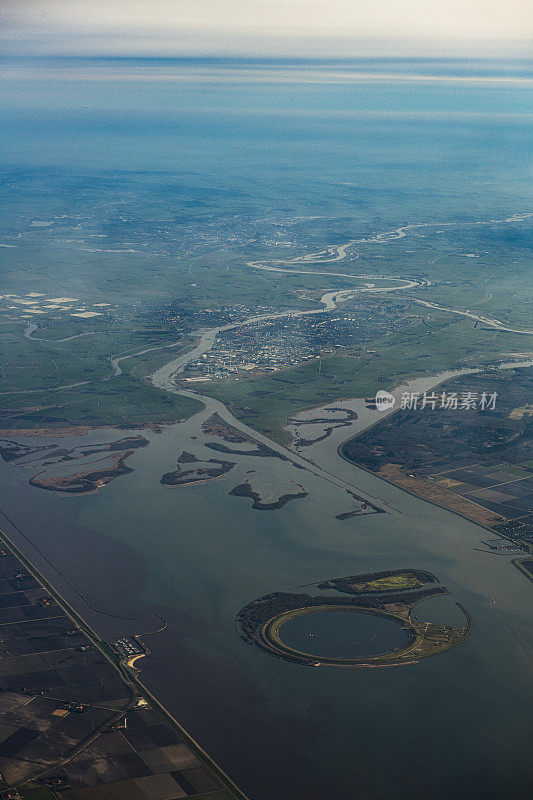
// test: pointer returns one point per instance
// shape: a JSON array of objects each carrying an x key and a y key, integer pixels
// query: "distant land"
[{"x": 208, "y": 268}]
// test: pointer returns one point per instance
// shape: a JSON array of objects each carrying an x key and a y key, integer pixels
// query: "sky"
[{"x": 326, "y": 28}]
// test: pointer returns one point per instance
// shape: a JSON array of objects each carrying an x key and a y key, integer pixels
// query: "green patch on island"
[
  {"x": 404, "y": 580},
  {"x": 341, "y": 640}
]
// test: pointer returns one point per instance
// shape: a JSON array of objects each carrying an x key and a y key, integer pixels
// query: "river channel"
[{"x": 454, "y": 725}]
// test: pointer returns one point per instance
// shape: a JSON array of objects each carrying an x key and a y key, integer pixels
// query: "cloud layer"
[{"x": 267, "y": 27}]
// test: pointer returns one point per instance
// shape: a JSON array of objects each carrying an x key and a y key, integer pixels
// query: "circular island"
[{"x": 357, "y": 621}]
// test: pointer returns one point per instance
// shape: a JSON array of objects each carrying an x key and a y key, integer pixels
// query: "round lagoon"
[{"x": 342, "y": 634}]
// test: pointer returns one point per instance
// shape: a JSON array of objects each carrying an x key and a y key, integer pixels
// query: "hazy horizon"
[{"x": 281, "y": 28}]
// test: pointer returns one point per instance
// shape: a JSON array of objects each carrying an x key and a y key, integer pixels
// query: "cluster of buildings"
[{"x": 275, "y": 345}]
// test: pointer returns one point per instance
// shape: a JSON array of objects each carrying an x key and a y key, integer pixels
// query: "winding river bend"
[
  {"x": 165, "y": 377},
  {"x": 456, "y": 725},
  {"x": 399, "y": 705},
  {"x": 226, "y": 557}
]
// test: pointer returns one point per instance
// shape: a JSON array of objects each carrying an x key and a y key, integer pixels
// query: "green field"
[
  {"x": 403, "y": 581},
  {"x": 33, "y": 373},
  {"x": 463, "y": 263},
  {"x": 267, "y": 402}
]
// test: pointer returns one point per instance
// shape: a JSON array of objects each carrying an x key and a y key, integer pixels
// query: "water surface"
[
  {"x": 342, "y": 634},
  {"x": 131, "y": 145}
]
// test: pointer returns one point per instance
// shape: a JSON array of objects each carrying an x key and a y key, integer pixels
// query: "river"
[
  {"x": 452, "y": 726},
  {"x": 338, "y": 154}
]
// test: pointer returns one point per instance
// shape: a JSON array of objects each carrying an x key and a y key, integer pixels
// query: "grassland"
[
  {"x": 266, "y": 402},
  {"x": 403, "y": 581},
  {"x": 52, "y": 384},
  {"x": 140, "y": 260},
  {"x": 122, "y": 401},
  {"x": 35, "y": 371}
]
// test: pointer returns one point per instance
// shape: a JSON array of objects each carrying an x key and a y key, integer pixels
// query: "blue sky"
[{"x": 274, "y": 27}]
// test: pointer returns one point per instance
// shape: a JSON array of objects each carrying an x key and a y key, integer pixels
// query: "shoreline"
[
  {"x": 129, "y": 676},
  {"x": 246, "y": 490},
  {"x": 420, "y": 496}
]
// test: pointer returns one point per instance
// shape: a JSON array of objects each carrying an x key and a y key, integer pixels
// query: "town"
[{"x": 275, "y": 345}]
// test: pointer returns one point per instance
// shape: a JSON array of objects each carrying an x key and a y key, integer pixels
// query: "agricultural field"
[
  {"x": 478, "y": 463},
  {"x": 66, "y": 378}
]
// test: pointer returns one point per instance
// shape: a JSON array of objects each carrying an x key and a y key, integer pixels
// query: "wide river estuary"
[{"x": 451, "y": 726}]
